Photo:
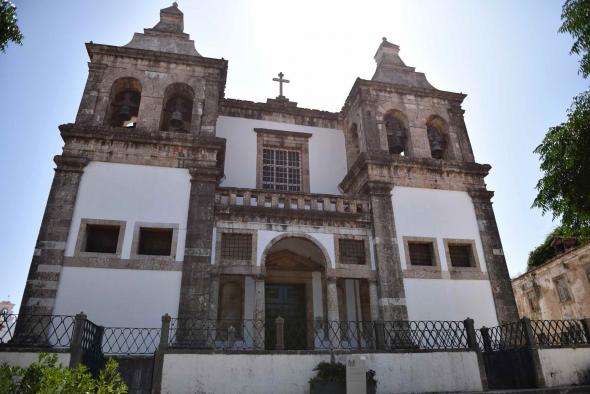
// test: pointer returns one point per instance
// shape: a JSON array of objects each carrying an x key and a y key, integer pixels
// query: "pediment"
[{"x": 286, "y": 260}]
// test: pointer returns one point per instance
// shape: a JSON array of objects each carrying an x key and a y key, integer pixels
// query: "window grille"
[
  {"x": 352, "y": 251},
  {"x": 155, "y": 241},
  {"x": 236, "y": 246},
  {"x": 421, "y": 253},
  {"x": 461, "y": 255},
  {"x": 101, "y": 238},
  {"x": 281, "y": 169}
]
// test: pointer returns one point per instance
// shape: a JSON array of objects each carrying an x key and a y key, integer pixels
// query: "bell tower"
[{"x": 152, "y": 102}]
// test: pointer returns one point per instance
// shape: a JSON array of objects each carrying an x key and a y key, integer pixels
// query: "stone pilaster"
[
  {"x": 196, "y": 300},
  {"x": 374, "y": 300},
  {"x": 506, "y": 310},
  {"x": 332, "y": 300},
  {"x": 390, "y": 282},
  {"x": 259, "y": 312},
  {"x": 46, "y": 265},
  {"x": 86, "y": 111}
]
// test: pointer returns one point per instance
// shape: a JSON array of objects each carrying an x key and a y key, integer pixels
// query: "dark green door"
[{"x": 287, "y": 301}]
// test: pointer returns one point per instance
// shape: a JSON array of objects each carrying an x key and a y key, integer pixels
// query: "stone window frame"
[
  {"x": 82, "y": 233},
  {"x": 555, "y": 281},
  {"x": 282, "y": 139},
  {"x": 220, "y": 261},
  {"x": 363, "y": 238},
  {"x": 436, "y": 268},
  {"x": 476, "y": 265},
  {"x": 153, "y": 258}
]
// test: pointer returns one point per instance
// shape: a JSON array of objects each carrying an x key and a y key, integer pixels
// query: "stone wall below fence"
[
  {"x": 565, "y": 366},
  {"x": 24, "y": 359},
  {"x": 290, "y": 373}
]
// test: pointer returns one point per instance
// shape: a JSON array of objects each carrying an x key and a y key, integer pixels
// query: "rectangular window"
[
  {"x": 421, "y": 253},
  {"x": 352, "y": 251},
  {"x": 236, "y": 246},
  {"x": 101, "y": 238},
  {"x": 281, "y": 169},
  {"x": 155, "y": 241},
  {"x": 562, "y": 289},
  {"x": 461, "y": 255}
]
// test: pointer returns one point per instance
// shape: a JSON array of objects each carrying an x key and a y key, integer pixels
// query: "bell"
[
  {"x": 176, "y": 120},
  {"x": 124, "y": 113},
  {"x": 436, "y": 149}
]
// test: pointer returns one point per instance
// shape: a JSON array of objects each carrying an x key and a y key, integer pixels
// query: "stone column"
[
  {"x": 259, "y": 313},
  {"x": 196, "y": 301},
  {"x": 374, "y": 300},
  {"x": 390, "y": 282},
  {"x": 46, "y": 265},
  {"x": 333, "y": 318},
  {"x": 506, "y": 310}
]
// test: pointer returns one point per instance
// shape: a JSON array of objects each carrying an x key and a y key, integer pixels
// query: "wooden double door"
[{"x": 288, "y": 302}]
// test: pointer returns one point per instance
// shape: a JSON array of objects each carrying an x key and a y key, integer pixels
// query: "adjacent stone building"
[
  {"x": 558, "y": 289},
  {"x": 169, "y": 197}
]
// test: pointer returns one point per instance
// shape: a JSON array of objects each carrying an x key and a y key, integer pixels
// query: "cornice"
[{"x": 396, "y": 88}]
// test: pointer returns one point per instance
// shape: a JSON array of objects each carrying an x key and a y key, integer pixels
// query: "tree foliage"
[
  {"x": 9, "y": 30},
  {"x": 575, "y": 15},
  {"x": 46, "y": 377},
  {"x": 564, "y": 189}
]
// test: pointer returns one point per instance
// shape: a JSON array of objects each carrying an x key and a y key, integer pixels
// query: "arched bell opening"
[
  {"x": 124, "y": 103},
  {"x": 177, "y": 108},
  {"x": 436, "y": 128},
  {"x": 397, "y": 132}
]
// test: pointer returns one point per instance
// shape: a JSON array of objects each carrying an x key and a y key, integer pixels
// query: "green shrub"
[{"x": 47, "y": 377}]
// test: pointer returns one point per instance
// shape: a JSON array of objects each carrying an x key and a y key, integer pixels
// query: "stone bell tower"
[
  {"x": 152, "y": 102},
  {"x": 401, "y": 131}
]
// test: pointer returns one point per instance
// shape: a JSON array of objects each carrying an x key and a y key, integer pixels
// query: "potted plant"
[{"x": 331, "y": 379}]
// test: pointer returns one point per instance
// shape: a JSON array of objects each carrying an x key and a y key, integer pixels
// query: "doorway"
[{"x": 287, "y": 301}]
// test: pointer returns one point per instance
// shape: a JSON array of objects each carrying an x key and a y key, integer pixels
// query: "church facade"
[{"x": 170, "y": 198}]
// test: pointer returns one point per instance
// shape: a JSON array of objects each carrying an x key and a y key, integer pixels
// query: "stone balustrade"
[{"x": 235, "y": 197}]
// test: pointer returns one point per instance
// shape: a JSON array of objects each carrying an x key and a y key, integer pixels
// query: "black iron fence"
[
  {"x": 526, "y": 333},
  {"x": 53, "y": 331},
  {"x": 92, "y": 342}
]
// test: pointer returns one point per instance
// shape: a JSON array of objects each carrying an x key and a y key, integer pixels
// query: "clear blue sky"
[{"x": 506, "y": 55}]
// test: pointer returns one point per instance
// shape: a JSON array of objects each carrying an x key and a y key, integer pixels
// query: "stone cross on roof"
[{"x": 280, "y": 80}]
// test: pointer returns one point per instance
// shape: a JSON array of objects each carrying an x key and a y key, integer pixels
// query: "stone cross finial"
[{"x": 280, "y": 80}]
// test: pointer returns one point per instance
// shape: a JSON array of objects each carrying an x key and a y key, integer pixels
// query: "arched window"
[
  {"x": 177, "y": 110},
  {"x": 437, "y": 138},
  {"x": 397, "y": 133},
  {"x": 125, "y": 99}
]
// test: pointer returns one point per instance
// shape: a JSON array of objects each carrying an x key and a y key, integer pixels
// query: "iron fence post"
[
  {"x": 165, "y": 332},
  {"x": 380, "y": 334},
  {"x": 469, "y": 325},
  {"x": 485, "y": 336},
  {"x": 76, "y": 350},
  {"x": 586, "y": 325},
  {"x": 280, "y": 323},
  {"x": 529, "y": 334}
]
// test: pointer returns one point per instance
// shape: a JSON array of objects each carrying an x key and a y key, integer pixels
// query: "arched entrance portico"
[{"x": 294, "y": 268}]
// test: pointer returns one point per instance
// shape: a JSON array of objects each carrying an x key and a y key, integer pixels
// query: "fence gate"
[
  {"x": 507, "y": 356},
  {"x": 509, "y": 369}
]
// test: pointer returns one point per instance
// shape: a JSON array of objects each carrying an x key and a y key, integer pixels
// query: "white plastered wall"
[
  {"x": 442, "y": 214},
  {"x": 130, "y": 193},
  {"x": 327, "y": 153}
]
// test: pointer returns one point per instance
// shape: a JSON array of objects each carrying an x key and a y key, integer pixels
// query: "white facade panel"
[
  {"x": 327, "y": 153},
  {"x": 118, "y": 297},
  {"x": 435, "y": 214},
  {"x": 449, "y": 299},
  {"x": 132, "y": 193}
]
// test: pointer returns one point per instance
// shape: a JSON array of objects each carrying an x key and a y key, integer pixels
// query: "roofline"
[{"x": 551, "y": 260}]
